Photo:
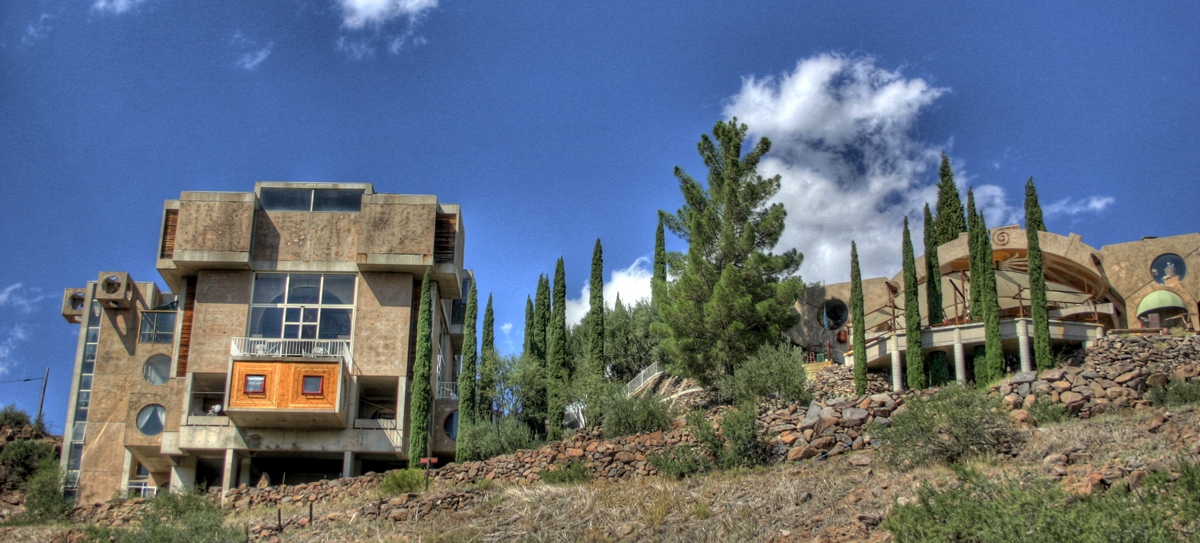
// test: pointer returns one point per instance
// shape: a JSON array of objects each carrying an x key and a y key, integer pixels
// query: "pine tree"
[
  {"x": 933, "y": 273},
  {"x": 596, "y": 312},
  {"x": 467, "y": 397},
  {"x": 541, "y": 318},
  {"x": 914, "y": 358},
  {"x": 734, "y": 294},
  {"x": 975, "y": 246},
  {"x": 950, "y": 222},
  {"x": 1038, "y": 304},
  {"x": 488, "y": 365},
  {"x": 422, "y": 388},
  {"x": 858, "y": 323},
  {"x": 556, "y": 357}
]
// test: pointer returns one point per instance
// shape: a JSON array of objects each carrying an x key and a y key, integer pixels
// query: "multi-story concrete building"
[
  {"x": 284, "y": 349},
  {"x": 1146, "y": 285}
]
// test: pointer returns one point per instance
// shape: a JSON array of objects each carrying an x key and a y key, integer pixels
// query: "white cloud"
[
  {"x": 1091, "y": 204},
  {"x": 115, "y": 7},
  {"x": 37, "y": 30},
  {"x": 15, "y": 295},
  {"x": 506, "y": 328},
  {"x": 374, "y": 17},
  {"x": 251, "y": 52},
  {"x": 9, "y": 344},
  {"x": 355, "y": 49},
  {"x": 631, "y": 283},
  {"x": 359, "y": 13}
]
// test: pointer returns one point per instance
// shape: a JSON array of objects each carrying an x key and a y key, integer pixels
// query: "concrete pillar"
[
  {"x": 897, "y": 370},
  {"x": 229, "y": 471},
  {"x": 1023, "y": 344},
  {"x": 348, "y": 464},
  {"x": 183, "y": 475},
  {"x": 244, "y": 472},
  {"x": 960, "y": 361},
  {"x": 128, "y": 467}
]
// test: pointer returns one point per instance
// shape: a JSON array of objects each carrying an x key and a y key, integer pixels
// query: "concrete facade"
[
  {"x": 283, "y": 350},
  {"x": 1092, "y": 291}
]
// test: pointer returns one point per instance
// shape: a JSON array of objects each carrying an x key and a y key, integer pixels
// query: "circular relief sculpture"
[
  {"x": 1168, "y": 269},
  {"x": 157, "y": 369},
  {"x": 833, "y": 314},
  {"x": 151, "y": 419}
]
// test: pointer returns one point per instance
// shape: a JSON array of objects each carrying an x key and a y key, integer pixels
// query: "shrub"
[
  {"x": 485, "y": 440},
  {"x": 626, "y": 416},
  {"x": 774, "y": 371},
  {"x": 180, "y": 518},
  {"x": 1176, "y": 392},
  {"x": 1045, "y": 412},
  {"x": 20, "y": 459},
  {"x": 1037, "y": 510},
  {"x": 680, "y": 462},
  {"x": 44, "y": 501},
  {"x": 402, "y": 481},
  {"x": 747, "y": 446},
  {"x": 12, "y": 417},
  {"x": 954, "y": 424},
  {"x": 570, "y": 473}
]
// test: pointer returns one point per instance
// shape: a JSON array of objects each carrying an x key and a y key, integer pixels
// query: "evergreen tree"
[
  {"x": 734, "y": 295},
  {"x": 467, "y": 397},
  {"x": 914, "y": 359},
  {"x": 422, "y": 387},
  {"x": 994, "y": 357},
  {"x": 858, "y": 323},
  {"x": 660, "y": 261},
  {"x": 528, "y": 348},
  {"x": 1038, "y": 304},
  {"x": 939, "y": 368},
  {"x": 974, "y": 245},
  {"x": 556, "y": 358},
  {"x": 541, "y": 318},
  {"x": 950, "y": 222},
  {"x": 933, "y": 273},
  {"x": 596, "y": 312},
  {"x": 488, "y": 342},
  {"x": 488, "y": 365}
]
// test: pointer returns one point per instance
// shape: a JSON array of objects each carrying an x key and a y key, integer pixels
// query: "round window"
[
  {"x": 1168, "y": 269},
  {"x": 151, "y": 419},
  {"x": 157, "y": 369},
  {"x": 451, "y": 425},
  {"x": 833, "y": 314}
]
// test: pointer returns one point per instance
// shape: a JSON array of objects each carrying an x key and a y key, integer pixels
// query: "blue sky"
[{"x": 556, "y": 125}]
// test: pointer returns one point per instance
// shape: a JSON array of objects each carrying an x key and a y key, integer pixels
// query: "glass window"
[
  {"x": 256, "y": 384},
  {"x": 302, "y": 306},
  {"x": 157, "y": 369},
  {"x": 1168, "y": 269},
  {"x": 74, "y": 455},
  {"x": 314, "y": 384},
  {"x": 833, "y": 314},
  {"x": 157, "y": 327},
  {"x": 450, "y": 426},
  {"x": 85, "y": 382},
  {"x": 279, "y": 199},
  {"x": 83, "y": 400},
  {"x": 304, "y": 289},
  {"x": 337, "y": 200},
  {"x": 269, "y": 288},
  {"x": 151, "y": 419},
  {"x": 338, "y": 289}
]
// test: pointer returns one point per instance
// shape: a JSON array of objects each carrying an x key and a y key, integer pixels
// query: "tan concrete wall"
[
  {"x": 222, "y": 309},
  {"x": 398, "y": 224},
  {"x": 381, "y": 327},
  {"x": 1127, "y": 267},
  {"x": 211, "y": 221},
  {"x": 306, "y": 236}
]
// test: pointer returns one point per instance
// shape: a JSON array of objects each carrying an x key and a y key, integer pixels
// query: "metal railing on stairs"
[{"x": 642, "y": 377}]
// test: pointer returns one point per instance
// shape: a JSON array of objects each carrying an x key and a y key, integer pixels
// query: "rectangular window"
[
  {"x": 314, "y": 385},
  {"x": 256, "y": 384},
  {"x": 297, "y": 199},
  {"x": 302, "y": 306},
  {"x": 157, "y": 327}
]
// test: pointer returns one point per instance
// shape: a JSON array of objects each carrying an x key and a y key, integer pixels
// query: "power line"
[{"x": 21, "y": 380}]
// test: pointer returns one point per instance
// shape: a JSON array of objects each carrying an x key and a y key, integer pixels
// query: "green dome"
[{"x": 1160, "y": 299}]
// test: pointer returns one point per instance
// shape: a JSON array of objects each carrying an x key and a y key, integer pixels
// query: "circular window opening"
[
  {"x": 77, "y": 301},
  {"x": 112, "y": 284},
  {"x": 157, "y": 369},
  {"x": 833, "y": 314},
  {"x": 451, "y": 425},
  {"x": 151, "y": 418},
  {"x": 1168, "y": 269}
]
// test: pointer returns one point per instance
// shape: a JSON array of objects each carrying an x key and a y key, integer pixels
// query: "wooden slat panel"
[
  {"x": 443, "y": 238},
  {"x": 185, "y": 332},
  {"x": 168, "y": 237}
]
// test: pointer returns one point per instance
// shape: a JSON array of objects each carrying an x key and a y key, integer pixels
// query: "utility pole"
[{"x": 42, "y": 401}]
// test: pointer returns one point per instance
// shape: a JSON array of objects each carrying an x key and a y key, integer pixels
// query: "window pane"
[
  {"x": 291, "y": 331},
  {"x": 78, "y": 431},
  {"x": 268, "y": 288},
  {"x": 150, "y": 419},
  {"x": 89, "y": 352},
  {"x": 256, "y": 383},
  {"x": 337, "y": 200},
  {"x": 74, "y": 455},
  {"x": 92, "y": 335},
  {"x": 339, "y": 289},
  {"x": 147, "y": 328},
  {"x": 292, "y": 315},
  {"x": 335, "y": 324},
  {"x": 165, "y": 323},
  {"x": 157, "y": 369},
  {"x": 87, "y": 367},
  {"x": 304, "y": 289},
  {"x": 85, "y": 382},
  {"x": 313, "y": 384},
  {"x": 275, "y": 199},
  {"x": 266, "y": 322},
  {"x": 308, "y": 331},
  {"x": 309, "y": 314},
  {"x": 84, "y": 399}
]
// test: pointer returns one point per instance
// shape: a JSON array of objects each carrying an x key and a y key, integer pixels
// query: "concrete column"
[
  {"x": 1023, "y": 344},
  {"x": 960, "y": 361},
  {"x": 228, "y": 473},
  {"x": 128, "y": 467},
  {"x": 244, "y": 472},
  {"x": 348, "y": 464},
  {"x": 183, "y": 475},
  {"x": 897, "y": 371}
]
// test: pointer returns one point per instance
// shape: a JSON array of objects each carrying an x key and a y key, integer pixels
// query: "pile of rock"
[
  {"x": 838, "y": 382},
  {"x": 402, "y": 507},
  {"x": 829, "y": 427},
  {"x": 334, "y": 490}
]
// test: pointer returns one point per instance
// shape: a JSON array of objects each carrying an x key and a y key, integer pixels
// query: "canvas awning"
[{"x": 1160, "y": 299}]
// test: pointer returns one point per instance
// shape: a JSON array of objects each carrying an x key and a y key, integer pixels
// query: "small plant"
[
  {"x": 771, "y": 372},
  {"x": 747, "y": 445},
  {"x": 20, "y": 459},
  {"x": 44, "y": 501},
  {"x": 702, "y": 510},
  {"x": 570, "y": 473},
  {"x": 487, "y": 440},
  {"x": 189, "y": 517},
  {"x": 627, "y": 416},
  {"x": 1176, "y": 392},
  {"x": 680, "y": 462},
  {"x": 13, "y": 418},
  {"x": 484, "y": 484},
  {"x": 956, "y": 423},
  {"x": 402, "y": 481},
  {"x": 1046, "y": 412}
]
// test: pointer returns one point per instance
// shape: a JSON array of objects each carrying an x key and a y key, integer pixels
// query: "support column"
[
  {"x": 1023, "y": 344},
  {"x": 960, "y": 361},
  {"x": 183, "y": 475},
  {"x": 348, "y": 464},
  {"x": 897, "y": 371},
  {"x": 227, "y": 474},
  {"x": 244, "y": 473}
]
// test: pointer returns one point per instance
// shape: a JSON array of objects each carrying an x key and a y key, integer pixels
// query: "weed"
[
  {"x": 484, "y": 484},
  {"x": 13, "y": 417},
  {"x": 954, "y": 424},
  {"x": 183, "y": 518},
  {"x": 570, "y": 473},
  {"x": 1046, "y": 412},
  {"x": 702, "y": 510},
  {"x": 626, "y": 416},
  {"x": 772, "y": 372},
  {"x": 20, "y": 459},
  {"x": 1176, "y": 392},
  {"x": 680, "y": 462},
  {"x": 402, "y": 481},
  {"x": 44, "y": 501},
  {"x": 482, "y": 439}
]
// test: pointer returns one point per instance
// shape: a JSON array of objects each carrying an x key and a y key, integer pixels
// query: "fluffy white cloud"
[
  {"x": 372, "y": 17},
  {"x": 14, "y": 335},
  {"x": 251, "y": 53},
  {"x": 115, "y": 7},
  {"x": 632, "y": 284},
  {"x": 1069, "y": 207},
  {"x": 360, "y": 13},
  {"x": 19, "y": 297}
]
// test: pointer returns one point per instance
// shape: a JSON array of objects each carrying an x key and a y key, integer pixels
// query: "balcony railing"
[
  {"x": 288, "y": 348},
  {"x": 447, "y": 390}
]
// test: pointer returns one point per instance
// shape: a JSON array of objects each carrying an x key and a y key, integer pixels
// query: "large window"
[
  {"x": 157, "y": 327},
  {"x": 302, "y": 306},
  {"x": 296, "y": 199}
]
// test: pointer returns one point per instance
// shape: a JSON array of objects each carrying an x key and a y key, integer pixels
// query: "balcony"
[
  {"x": 288, "y": 348},
  {"x": 289, "y": 383}
]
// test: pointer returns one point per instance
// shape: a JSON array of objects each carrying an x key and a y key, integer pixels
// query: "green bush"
[
  {"x": 180, "y": 518},
  {"x": 1036, "y": 510},
  {"x": 627, "y": 416},
  {"x": 483, "y": 440},
  {"x": 774, "y": 371},
  {"x": 740, "y": 443},
  {"x": 954, "y": 424},
  {"x": 1045, "y": 412},
  {"x": 12, "y": 417},
  {"x": 44, "y": 501},
  {"x": 747, "y": 445},
  {"x": 1176, "y": 392},
  {"x": 20, "y": 459},
  {"x": 572, "y": 472},
  {"x": 402, "y": 481},
  {"x": 680, "y": 462}
]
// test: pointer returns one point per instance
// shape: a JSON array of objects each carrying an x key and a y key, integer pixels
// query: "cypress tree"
[
  {"x": 991, "y": 308},
  {"x": 528, "y": 348},
  {"x": 467, "y": 398},
  {"x": 858, "y": 323},
  {"x": 556, "y": 358},
  {"x": 488, "y": 343},
  {"x": 1038, "y": 304},
  {"x": 914, "y": 359},
  {"x": 488, "y": 365},
  {"x": 933, "y": 272},
  {"x": 596, "y": 312},
  {"x": 422, "y": 388},
  {"x": 939, "y": 368},
  {"x": 974, "y": 245},
  {"x": 541, "y": 318},
  {"x": 950, "y": 222},
  {"x": 660, "y": 262}
]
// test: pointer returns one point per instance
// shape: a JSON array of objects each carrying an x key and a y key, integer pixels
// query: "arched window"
[{"x": 302, "y": 306}]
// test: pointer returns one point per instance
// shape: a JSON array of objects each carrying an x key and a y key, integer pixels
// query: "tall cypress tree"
[
  {"x": 660, "y": 262},
  {"x": 529, "y": 325},
  {"x": 933, "y": 273},
  {"x": 422, "y": 388},
  {"x": 467, "y": 397},
  {"x": 556, "y": 358},
  {"x": 489, "y": 364},
  {"x": 994, "y": 357},
  {"x": 858, "y": 323},
  {"x": 596, "y": 312},
  {"x": 950, "y": 222},
  {"x": 1038, "y": 304},
  {"x": 914, "y": 359},
  {"x": 975, "y": 246},
  {"x": 541, "y": 318}
]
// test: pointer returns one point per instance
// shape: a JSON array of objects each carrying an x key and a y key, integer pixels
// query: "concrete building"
[
  {"x": 1149, "y": 285},
  {"x": 283, "y": 350}
]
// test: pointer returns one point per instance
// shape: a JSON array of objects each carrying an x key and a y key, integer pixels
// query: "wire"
[{"x": 21, "y": 380}]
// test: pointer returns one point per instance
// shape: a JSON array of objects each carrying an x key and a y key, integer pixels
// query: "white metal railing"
[
  {"x": 288, "y": 348},
  {"x": 645, "y": 375},
  {"x": 447, "y": 390}
]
